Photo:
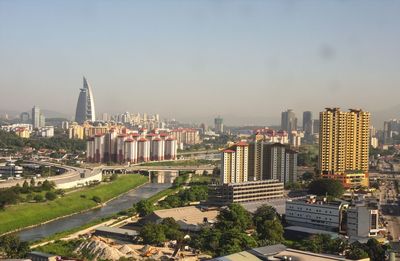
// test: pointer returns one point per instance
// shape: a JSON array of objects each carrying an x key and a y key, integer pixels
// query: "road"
[
  {"x": 71, "y": 174},
  {"x": 389, "y": 207}
]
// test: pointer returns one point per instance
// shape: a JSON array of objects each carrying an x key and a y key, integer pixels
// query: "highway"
[
  {"x": 71, "y": 174},
  {"x": 389, "y": 207}
]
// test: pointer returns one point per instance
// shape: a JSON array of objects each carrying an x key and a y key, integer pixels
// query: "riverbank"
[{"x": 21, "y": 216}]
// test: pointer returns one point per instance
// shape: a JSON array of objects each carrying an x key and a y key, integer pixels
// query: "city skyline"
[{"x": 204, "y": 51}]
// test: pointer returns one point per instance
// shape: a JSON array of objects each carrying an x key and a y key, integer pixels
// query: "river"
[{"x": 114, "y": 206}]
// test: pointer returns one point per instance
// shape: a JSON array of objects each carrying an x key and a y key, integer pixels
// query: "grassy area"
[
  {"x": 201, "y": 179},
  {"x": 61, "y": 248},
  {"x": 23, "y": 215},
  {"x": 179, "y": 163}
]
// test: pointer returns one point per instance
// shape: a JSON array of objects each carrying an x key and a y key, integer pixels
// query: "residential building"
[
  {"x": 76, "y": 131},
  {"x": 314, "y": 213},
  {"x": 225, "y": 194},
  {"x": 124, "y": 146},
  {"x": 362, "y": 221},
  {"x": 344, "y": 146},
  {"x": 280, "y": 163},
  {"x": 235, "y": 163},
  {"x": 288, "y": 121},
  {"x": 42, "y": 122},
  {"x": 22, "y": 130},
  {"x": 273, "y": 136},
  {"x": 46, "y": 132},
  {"x": 186, "y": 136},
  {"x": 85, "y": 110},
  {"x": 219, "y": 125}
]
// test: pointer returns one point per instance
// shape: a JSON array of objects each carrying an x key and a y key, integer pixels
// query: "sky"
[{"x": 193, "y": 60}]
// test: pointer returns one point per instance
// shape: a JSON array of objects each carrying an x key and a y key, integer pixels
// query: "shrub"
[
  {"x": 50, "y": 195},
  {"x": 96, "y": 199},
  {"x": 38, "y": 198}
]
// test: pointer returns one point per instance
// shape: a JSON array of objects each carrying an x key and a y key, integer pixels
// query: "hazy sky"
[{"x": 244, "y": 60}]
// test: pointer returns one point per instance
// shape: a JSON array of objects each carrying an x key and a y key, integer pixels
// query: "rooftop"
[{"x": 189, "y": 215}]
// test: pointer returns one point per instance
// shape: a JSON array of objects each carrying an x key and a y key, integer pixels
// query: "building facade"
[
  {"x": 362, "y": 221},
  {"x": 85, "y": 110},
  {"x": 235, "y": 163},
  {"x": 317, "y": 214},
  {"x": 344, "y": 146},
  {"x": 272, "y": 161},
  {"x": 225, "y": 194},
  {"x": 288, "y": 121},
  {"x": 219, "y": 125},
  {"x": 129, "y": 148}
]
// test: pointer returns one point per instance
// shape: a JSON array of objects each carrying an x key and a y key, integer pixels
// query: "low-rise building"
[
  {"x": 362, "y": 221},
  {"x": 313, "y": 213},
  {"x": 280, "y": 252},
  {"x": 250, "y": 191}
]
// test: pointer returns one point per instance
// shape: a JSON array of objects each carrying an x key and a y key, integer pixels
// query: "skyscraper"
[
  {"x": 219, "y": 125},
  {"x": 36, "y": 117},
  {"x": 288, "y": 121},
  {"x": 344, "y": 146},
  {"x": 307, "y": 123},
  {"x": 85, "y": 110}
]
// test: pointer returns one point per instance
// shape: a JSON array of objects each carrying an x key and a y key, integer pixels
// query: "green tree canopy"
[
  {"x": 330, "y": 187},
  {"x": 12, "y": 247},
  {"x": 235, "y": 216},
  {"x": 153, "y": 234},
  {"x": 144, "y": 208}
]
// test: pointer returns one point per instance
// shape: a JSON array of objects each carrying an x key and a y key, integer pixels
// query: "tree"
[
  {"x": 8, "y": 197},
  {"x": 330, "y": 187},
  {"x": 293, "y": 186},
  {"x": 25, "y": 187},
  {"x": 38, "y": 198},
  {"x": 152, "y": 234},
  {"x": 233, "y": 216},
  {"x": 12, "y": 246},
  {"x": 144, "y": 208},
  {"x": 375, "y": 250},
  {"x": 307, "y": 176},
  {"x": 50, "y": 195},
  {"x": 233, "y": 241},
  {"x": 32, "y": 182},
  {"x": 171, "y": 229},
  {"x": 47, "y": 185}
]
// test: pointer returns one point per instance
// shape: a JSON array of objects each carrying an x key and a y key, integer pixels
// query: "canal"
[{"x": 123, "y": 202}]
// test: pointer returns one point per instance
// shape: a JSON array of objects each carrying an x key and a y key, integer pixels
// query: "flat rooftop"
[
  {"x": 116, "y": 230},
  {"x": 189, "y": 215}
]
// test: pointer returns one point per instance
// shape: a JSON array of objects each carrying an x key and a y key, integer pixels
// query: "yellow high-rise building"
[
  {"x": 235, "y": 164},
  {"x": 344, "y": 146}
]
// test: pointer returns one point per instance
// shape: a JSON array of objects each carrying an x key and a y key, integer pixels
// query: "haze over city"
[{"x": 194, "y": 60}]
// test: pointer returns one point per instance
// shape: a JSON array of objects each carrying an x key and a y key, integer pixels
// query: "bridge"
[{"x": 199, "y": 169}]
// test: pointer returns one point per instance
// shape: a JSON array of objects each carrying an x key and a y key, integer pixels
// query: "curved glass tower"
[{"x": 85, "y": 108}]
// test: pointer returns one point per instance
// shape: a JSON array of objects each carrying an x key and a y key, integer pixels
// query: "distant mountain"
[
  {"x": 378, "y": 117},
  {"x": 47, "y": 113}
]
